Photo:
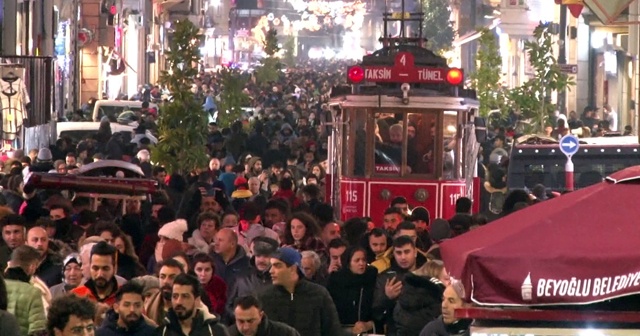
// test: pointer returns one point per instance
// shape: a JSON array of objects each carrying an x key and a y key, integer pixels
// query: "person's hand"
[
  {"x": 334, "y": 266},
  {"x": 360, "y": 327},
  {"x": 392, "y": 288}
]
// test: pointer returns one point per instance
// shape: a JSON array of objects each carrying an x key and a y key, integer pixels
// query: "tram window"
[
  {"x": 421, "y": 143},
  {"x": 354, "y": 148},
  {"x": 388, "y": 137},
  {"x": 450, "y": 155}
]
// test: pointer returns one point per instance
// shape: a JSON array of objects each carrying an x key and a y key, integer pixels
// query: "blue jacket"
[{"x": 110, "y": 327}]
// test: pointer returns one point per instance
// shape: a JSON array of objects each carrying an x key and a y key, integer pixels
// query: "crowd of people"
[{"x": 245, "y": 246}]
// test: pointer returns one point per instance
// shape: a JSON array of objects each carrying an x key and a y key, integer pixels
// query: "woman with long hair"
[
  {"x": 352, "y": 289},
  {"x": 303, "y": 234}
]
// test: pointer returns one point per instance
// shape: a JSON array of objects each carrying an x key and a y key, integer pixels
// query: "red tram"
[{"x": 404, "y": 127}]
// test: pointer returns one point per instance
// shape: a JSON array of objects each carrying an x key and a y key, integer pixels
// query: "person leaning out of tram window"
[
  {"x": 352, "y": 289},
  {"x": 447, "y": 324},
  {"x": 303, "y": 234}
]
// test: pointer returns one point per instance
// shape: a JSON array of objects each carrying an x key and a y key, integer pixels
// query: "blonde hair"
[{"x": 430, "y": 269}]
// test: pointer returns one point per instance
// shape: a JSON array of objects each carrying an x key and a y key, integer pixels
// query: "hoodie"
[{"x": 110, "y": 327}]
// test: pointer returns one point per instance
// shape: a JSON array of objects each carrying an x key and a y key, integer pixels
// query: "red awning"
[{"x": 580, "y": 248}]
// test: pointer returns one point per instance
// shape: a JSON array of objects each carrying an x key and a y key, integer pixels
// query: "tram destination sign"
[
  {"x": 380, "y": 74},
  {"x": 404, "y": 70}
]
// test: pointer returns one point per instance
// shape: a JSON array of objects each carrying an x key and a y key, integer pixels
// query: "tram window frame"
[
  {"x": 349, "y": 145},
  {"x": 436, "y": 116}
]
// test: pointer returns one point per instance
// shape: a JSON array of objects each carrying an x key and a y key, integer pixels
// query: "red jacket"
[
  {"x": 217, "y": 291},
  {"x": 89, "y": 290}
]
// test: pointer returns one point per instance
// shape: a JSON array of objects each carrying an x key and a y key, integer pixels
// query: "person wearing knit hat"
[
  {"x": 44, "y": 155},
  {"x": 241, "y": 195},
  {"x": 174, "y": 230},
  {"x": 420, "y": 217},
  {"x": 171, "y": 238},
  {"x": 288, "y": 278}
]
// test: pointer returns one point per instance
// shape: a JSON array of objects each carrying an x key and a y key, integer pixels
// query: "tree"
[
  {"x": 486, "y": 80},
  {"x": 533, "y": 98},
  {"x": 232, "y": 98},
  {"x": 289, "y": 58},
  {"x": 182, "y": 125},
  {"x": 437, "y": 25},
  {"x": 269, "y": 69}
]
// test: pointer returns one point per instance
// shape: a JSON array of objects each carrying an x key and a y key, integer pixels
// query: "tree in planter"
[
  {"x": 232, "y": 97},
  {"x": 182, "y": 125},
  {"x": 533, "y": 98},
  {"x": 269, "y": 69},
  {"x": 486, "y": 79},
  {"x": 437, "y": 25}
]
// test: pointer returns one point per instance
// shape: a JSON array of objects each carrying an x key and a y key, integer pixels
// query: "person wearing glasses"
[
  {"x": 71, "y": 276},
  {"x": 71, "y": 315}
]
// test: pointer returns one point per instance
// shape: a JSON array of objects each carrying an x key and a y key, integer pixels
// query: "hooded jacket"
[
  {"x": 419, "y": 303},
  {"x": 353, "y": 294},
  {"x": 383, "y": 306},
  {"x": 309, "y": 309},
  {"x": 110, "y": 327},
  {"x": 203, "y": 324},
  {"x": 268, "y": 328}
]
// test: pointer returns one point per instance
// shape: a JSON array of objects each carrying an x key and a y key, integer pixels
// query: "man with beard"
[
  {"x": 102, "y": 286},
  {"x": 126, "y": 316},
  {"x": 50, "y": 266},
  {"x": 158, "y": 304},
  {"x": 13, "y": 229},
  {"x": 185, "y": 317}
]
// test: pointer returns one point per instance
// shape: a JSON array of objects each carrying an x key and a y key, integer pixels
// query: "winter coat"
[
  {"x": 8, "y": 324},
  {"x": 383, "y": 306},
  {"x": 438, "y": 328},
  {"x": 216, "y": 291},
  {"x": 110, "y": 327},
  {"x": 353, "y": 294},
  {"x": 250, "y": 282},
  {"x": 309, "y": 309},
  {"x": 199, "y": 242},
  {"x": 268, "y": 328},
  {"x": 230, "y": 271},
  {"x": 418, "y": 304},
  {"x": 13, "y": 199},
  {"x": 50, "y": 270},
  {"x": 24, "y": 301},
  {"x": 203, "y": 324}
]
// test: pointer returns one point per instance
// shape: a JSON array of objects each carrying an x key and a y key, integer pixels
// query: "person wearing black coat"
[
  {"x": 352, "y": 289},
  {"x": 418, "y": 304},
  {"x": 110, "y": 327}
]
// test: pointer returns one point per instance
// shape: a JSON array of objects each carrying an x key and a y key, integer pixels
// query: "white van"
[
  {"x": 113, "y": 108},
  {"x": 80, "y": 130}
]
